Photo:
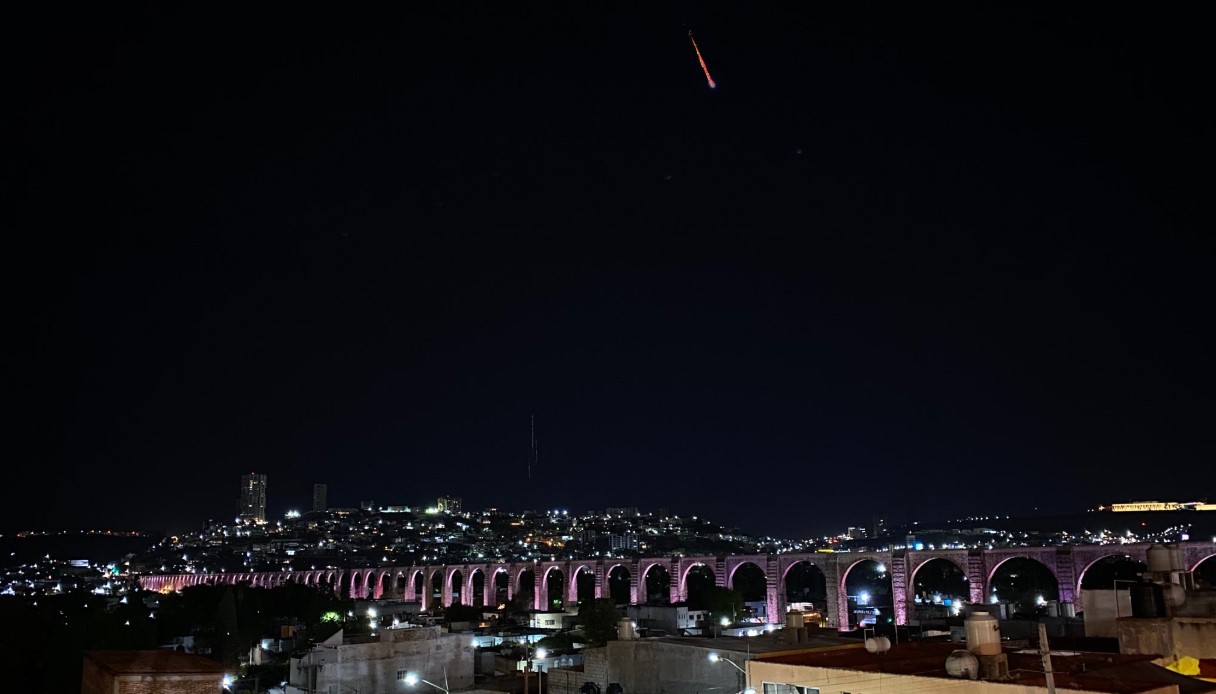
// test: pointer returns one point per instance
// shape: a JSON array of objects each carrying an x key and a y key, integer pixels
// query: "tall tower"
[
  {"x": 320, "y": 497},
  {"x": 252, "y": 502}
]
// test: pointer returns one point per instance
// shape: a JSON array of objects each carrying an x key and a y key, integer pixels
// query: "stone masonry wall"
[
  {"x": 136, "y": 684},
  {"x": 595, "y": 667}
]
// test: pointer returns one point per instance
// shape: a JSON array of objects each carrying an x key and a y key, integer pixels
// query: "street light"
[
  {"x": 540, "y": 655},
  {"x": 412, "y": 678},
  {"x": 747, "y": 679}
]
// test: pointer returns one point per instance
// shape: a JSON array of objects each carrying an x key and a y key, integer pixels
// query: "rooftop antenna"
[{"x": 532, "y": 456}]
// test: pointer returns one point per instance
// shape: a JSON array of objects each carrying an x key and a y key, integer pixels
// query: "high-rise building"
[
  {"x": 449, "y": 504},
  {"x": 320, "y": 497},
  {"x": 252, "y": 503},
  {"x": 627, "y": 540},
  {"x": 880, "y": 527}
]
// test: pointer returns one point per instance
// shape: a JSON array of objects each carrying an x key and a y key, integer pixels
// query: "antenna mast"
[{"x": 532, "y": 455}]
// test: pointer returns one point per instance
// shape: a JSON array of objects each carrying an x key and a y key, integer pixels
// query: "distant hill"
[
  {"x": 1202, "y": 524},
  {"x": 96, "y": 548}
]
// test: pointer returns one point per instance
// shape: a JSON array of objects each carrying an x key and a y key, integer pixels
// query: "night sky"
[{"x": 917, "y": 262}]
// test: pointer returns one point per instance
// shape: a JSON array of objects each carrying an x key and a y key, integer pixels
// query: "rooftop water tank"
[
  {"x": 878, "y": 644},
  {"x": 1164, "y": 558},
  {"x": 962, "y": 664},
  {"x": 1177, "y": 561},
  {"x": 983, "y": 634},
  {"x": 1157, "y": 557},
  {"x": 794, "y": 619},
  {"x": 625, "y": 630},
  {"x": 1148, "y": 600}
]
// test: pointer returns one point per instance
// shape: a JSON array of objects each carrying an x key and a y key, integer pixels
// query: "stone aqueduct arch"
[{"x": 1068, "y": 564}]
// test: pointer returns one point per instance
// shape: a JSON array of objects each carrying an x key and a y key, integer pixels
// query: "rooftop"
[
  {"x": 764, "y": 643},
  {"x": 1096, "y": 672},
  {"x": 161, "y": 661}
]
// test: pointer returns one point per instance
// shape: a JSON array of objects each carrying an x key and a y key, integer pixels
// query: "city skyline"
[
  {"x": 916, "y": 263},
  {"x": 255, "y": 507}
]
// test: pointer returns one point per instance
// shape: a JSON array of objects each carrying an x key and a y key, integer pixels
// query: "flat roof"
[
  {"x": 160, "y": 661},
  {"x": 765, "y": 643},
  {"x": 1099, "y": 672}
]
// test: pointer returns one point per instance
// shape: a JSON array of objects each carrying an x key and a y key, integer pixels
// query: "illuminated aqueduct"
[{"x": 1067, "y": 564}]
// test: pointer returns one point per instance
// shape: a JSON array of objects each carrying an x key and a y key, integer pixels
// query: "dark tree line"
[{"x": 44, "y": 639}]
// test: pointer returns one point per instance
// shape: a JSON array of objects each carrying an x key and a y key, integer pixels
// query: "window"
[
  {"x": 774, "y": 688},
  {"x": 401, "y": 675}
]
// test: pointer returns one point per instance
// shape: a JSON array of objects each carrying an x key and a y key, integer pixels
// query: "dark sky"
[{"x": 914, "y": 261}]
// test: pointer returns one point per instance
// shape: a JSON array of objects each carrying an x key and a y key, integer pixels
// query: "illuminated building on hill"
[
  {"x": 252, "y": 504},
  {"x": 1138, "y": 506}
]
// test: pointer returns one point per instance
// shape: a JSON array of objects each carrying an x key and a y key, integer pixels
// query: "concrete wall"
[
  {"x": 97, "y": 680},
  {"x": 548, "y": 620},
  {"x": 566, "y": 681},
  {"x": 1101, "y": 611},
  {"x": 664, "y": 617},
  {"x": 832, "y": 681},
  {"x": 654, "y": 667},
  {"x": 1199, "y": 603},
  {"x": 1195, "y": 636},
  {"x": 171, "y": 684},
  {"x": 373, "y": 667},
  {"x": 671, "y": 618},
  {"x": 1169, "y": 637},
  {"x": 595, "y": 666}
]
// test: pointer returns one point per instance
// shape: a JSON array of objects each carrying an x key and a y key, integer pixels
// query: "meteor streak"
[{"x": 702, "y": 61}]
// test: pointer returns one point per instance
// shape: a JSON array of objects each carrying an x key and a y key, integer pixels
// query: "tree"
[
  {"x": 227, "y": 636},
  {"x": 557, "y": 642},
  {"x": 457, "y": 612},
  {"x": 597, "y": 618},
  {"x": 720, "y": 602}
]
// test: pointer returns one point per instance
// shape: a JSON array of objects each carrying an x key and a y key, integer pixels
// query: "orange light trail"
[{"x": 702, "y": 61}]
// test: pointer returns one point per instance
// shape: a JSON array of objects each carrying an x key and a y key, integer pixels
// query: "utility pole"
[
  {"x": 528, "y": 668},
  {"x": 1045, "y": 651},
  {"x": 533, "y": 461}
]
